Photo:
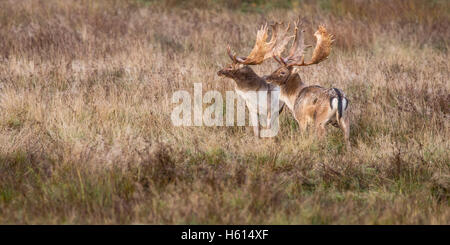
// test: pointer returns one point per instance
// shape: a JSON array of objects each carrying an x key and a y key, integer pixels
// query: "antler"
[
  {"x": 323, "y": 45},
  {"x": 296, "y": 53},
  {"x": 262, "y": 49}
]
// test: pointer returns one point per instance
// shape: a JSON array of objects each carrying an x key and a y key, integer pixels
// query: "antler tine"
[
  {"x": 323, "y": 45},
  {"x": 296, "y": 53},
  {"x": 232, "y": 57},
  {"x": 279, "y": 60},
  {"x": 279, "y": 39},
  {"x": 320, "y": 53},
  {"x": 263, "y": 49}
]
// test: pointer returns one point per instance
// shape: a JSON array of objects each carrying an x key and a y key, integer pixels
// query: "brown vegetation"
[{"x": 85, "y": 132}]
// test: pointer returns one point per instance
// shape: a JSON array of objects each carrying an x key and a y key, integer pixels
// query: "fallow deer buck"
[
  {"x": 310, "y": 103},
  {"x": 247, "y": 82}
]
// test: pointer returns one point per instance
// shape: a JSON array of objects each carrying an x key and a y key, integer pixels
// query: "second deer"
[{"x": 310, "y": 103}]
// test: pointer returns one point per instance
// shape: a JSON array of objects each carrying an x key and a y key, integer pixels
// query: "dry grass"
[{"x": 85, "y": 103}]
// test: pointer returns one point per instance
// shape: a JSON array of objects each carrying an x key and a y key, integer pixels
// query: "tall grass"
[{"x": 85, "y": 103}]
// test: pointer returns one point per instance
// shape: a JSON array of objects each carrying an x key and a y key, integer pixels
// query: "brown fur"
[
  {"x": 247, "y": 80},
  {"x": 309, "y": 103}
]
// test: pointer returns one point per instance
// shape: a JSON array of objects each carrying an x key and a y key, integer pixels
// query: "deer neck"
[
  {"x": 290, "y": 90},
  {"x": 248, "y": 81}
]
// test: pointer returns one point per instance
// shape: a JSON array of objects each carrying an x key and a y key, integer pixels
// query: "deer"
[
  {"x": 247, "y": 81},
  {"x": 310, "y": 104}
]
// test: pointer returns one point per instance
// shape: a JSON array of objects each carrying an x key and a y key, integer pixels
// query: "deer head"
[
  {"x": 296, "y": 54},
  {"x": 262, "y": 50}
]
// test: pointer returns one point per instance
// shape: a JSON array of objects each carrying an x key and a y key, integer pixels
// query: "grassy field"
[{"x": 86, "y": 96}]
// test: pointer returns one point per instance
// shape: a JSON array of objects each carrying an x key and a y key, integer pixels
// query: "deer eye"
[{"x": 282, "y": 73}]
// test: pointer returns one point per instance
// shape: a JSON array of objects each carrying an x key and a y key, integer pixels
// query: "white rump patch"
[
  {"x": 334, "y": 103},
  {"x": 344, "y": 104}
]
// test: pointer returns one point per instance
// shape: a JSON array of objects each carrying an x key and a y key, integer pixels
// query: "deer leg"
[
  {"x": 254, "y": 120},
  {"x": 302, "y": 120},
  {"x": 320, "y": 129},
  {"x": 345, "y": 126},
  {"x": 269, "y": 111},
  {"x": 269, "y": 119},
  {"x": 256, "y": 130},
  {"x": 303, "y": 124}
]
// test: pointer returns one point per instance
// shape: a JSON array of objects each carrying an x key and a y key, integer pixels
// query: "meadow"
[{"x": 86, "y": 97}]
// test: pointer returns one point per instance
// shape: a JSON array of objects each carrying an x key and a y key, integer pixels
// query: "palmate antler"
[
  {"x": 296, "y": 53},
  {"x": 262, "y": 49}
]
